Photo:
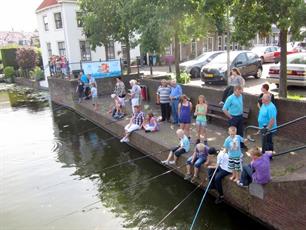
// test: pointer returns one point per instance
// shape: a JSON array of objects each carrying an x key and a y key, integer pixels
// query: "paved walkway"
[{"x": 286, "y": 167}]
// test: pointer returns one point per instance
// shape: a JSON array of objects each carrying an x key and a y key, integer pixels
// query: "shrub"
[
  {"x": 184, "y": 78},
  {"x": 9, "y": 73},
  {"x": 9, "y": 57},
  {"x": 37, "y": 74},
  {"x": 26, "y": 58}
]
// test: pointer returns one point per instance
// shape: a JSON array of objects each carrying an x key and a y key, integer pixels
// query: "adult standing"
[
  {"x": 265, "y": 90},
  {"x": 163, "y": 98},
  {"x": 175, "y": 94},
  {"x": 233, "y": 109},
  {"x": 267, "y": 119},
  {"x": 234, "y": 80},
  {"x": 135, "y": 94},
  {"x": 120, "y": 91}
]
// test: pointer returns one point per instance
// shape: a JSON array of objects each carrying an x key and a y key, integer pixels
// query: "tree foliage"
[
  {"x": 258, "y": 16},
  {"x": 26, "y": 58}
]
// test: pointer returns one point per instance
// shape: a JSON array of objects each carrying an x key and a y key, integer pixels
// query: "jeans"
[
  {"x": 174, "y": 110},
  {"x": 237, "y": 121},
  {"x": 217, "y": 181},
  {"x": 267, "y": 143},
  {"x": 246, "y": 175},
  {"x": 198, "y": 161},
  {"x": 165, "y": 111}
]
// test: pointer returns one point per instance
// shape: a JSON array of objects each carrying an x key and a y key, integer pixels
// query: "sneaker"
[
  {"x": 126, "y": 140},
  {"x": 221, "y": 103},
  {"x": 172, "y": 162},
  {"x": 187, "y": 177},
  {"x": 122, "y": 140},
  {"x": 219, "y": 200},
  {"x": 240, "y": 184},
  {"x": 193, "y": 180},
  {"x": 165, "y": 162}
]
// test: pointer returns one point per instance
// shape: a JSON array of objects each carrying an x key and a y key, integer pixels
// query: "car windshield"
[
  {"x": 202, "y": 57},
  {"x": 299, "y": 58},
  {"x": 222, "y": 58},
  {"x": 258, "y": 49}
]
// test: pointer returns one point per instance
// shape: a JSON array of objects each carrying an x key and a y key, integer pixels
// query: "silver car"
[
  {"x": 193, "y": 67},
  {"x": 296, "y": 70}
]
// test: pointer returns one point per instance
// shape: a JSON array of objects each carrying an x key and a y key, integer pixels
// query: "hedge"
[{"x": 9, "y": 57}]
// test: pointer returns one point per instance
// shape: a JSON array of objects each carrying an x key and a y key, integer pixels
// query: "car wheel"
[
  {"x": 195, "y": 73},
  {"x": 259, "y": 73},
  {"x": 262, "y": 60}
]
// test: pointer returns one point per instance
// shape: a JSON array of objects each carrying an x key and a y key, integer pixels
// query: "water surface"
[{"x": 52, "y": 176}]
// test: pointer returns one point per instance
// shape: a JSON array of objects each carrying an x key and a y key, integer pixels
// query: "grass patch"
[{"x": 295, "y": 97}]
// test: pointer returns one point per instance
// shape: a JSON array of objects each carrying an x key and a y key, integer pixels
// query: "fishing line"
[
  {"x": 175, "y": 207},
  {"x": 202, "y": 200}
]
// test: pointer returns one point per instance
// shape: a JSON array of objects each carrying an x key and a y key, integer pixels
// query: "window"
[
  {"x": 241, "y": 58},
  {"x": 79, "y": 19},
  {"x": 251, "y": 56},
  {"x": 49, "y": 49},
  {"x": 61, "y": 48},
  {"x": 58, "y": 20},
  {"x": 111, "y": 50},
  {"x": 124, "y": 51},
  {"x": 193, "y": 48},
  {"x": 45, "y": 21},
  {"x": 85, "y": 51},
  {"x": 219, "y": 43}
]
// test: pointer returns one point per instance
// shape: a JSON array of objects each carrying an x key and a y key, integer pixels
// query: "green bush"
[
  {"x": 9, "y": 57},
  {"x": 9, "y": 73},
  {"x": 37, "y": 74},
  {"x": 184, "y": 78}
]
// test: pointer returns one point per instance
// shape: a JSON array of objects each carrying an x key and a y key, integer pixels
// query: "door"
[
  {"x": 252, "y": 63},
  {"x": 241, "y": 62}
]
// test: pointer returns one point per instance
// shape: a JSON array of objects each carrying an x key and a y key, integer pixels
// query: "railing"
[{"x": 265, "y": 131}]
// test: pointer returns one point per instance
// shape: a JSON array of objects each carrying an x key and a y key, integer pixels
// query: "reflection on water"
[{"x": 52, "y": 177}]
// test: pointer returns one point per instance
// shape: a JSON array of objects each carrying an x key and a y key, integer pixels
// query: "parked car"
[
  {"x": 247, "y": 62},
  {"x": 193, "y": 67},
  {"x": 296, "y": 70},
  {"x": 291, "y": 49},
  {"x": 266, "y": 53}
]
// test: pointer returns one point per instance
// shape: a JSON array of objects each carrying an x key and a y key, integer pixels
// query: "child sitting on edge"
[
  {"x": 199, "y": 157},
  {"x": 259, "y": 169},
  {"x": 150, "y": 124},
  {"x": 176, "y": 152},
  {"x": 80, "y": 90},
  {"x": 94, "y": 95},
  {"x": 232, "y": 147},
  {"x": 116, "y": 109}
]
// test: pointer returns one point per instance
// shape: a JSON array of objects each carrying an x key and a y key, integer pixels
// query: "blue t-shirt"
[
  {"x": 233, "y": 146},
  {"x": 176, "y": 92},
  {"x": 84, "y": 79},
  {"x": 266, "y": 113},
  {"x": 185, "y": 143},
  {"x": 234, "y": 105}
]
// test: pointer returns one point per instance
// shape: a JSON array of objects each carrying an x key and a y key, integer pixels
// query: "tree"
[
  {"x": 108, "y": 20},
  {"x": 26, "y": 58},
  {"x": 258, "y": 16}
]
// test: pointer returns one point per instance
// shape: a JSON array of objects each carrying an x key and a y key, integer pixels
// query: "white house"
[{"x": 61, "y": 33}]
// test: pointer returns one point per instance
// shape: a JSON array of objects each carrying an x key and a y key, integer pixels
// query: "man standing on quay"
[{"x": 176, "y": 93}]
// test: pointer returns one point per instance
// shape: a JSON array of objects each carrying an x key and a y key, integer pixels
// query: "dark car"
[
  {"x": 247, "y": 62},
  {"x": 193, "y": 67}
]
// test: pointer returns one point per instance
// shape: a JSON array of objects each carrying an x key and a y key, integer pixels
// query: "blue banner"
[{"x": 102, "y": 69}]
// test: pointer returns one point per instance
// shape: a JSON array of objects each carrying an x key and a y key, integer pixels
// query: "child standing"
[
  {"x": 150, "y": 124},
  {"x": 232, "y": 147},
  {"x": 80, "y": 90},
  {"x": 201, "y": 120},
  {"x": 199, "y": 157},
  {"x": 184, "y": 112},
  {"x": 94, "y": 95},
  {"x": 176, "y": 152}
]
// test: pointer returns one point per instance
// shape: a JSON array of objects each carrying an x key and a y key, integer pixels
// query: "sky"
[{"x": 18, "y": 14}]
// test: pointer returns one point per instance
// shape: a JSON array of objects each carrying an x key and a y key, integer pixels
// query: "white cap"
[{"x": 113, "y": 95}]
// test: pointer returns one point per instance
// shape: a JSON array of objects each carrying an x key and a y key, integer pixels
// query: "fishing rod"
[
  {"x": 202, "y": 200},
  {"x": 133, "y": 160},
  {"x": 175, "y": 207}
]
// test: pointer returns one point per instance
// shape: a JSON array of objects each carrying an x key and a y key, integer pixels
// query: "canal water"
[{"x": 52, "y": 176}]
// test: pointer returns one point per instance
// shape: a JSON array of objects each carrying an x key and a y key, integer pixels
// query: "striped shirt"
[{"x": 164, "y": 93}]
